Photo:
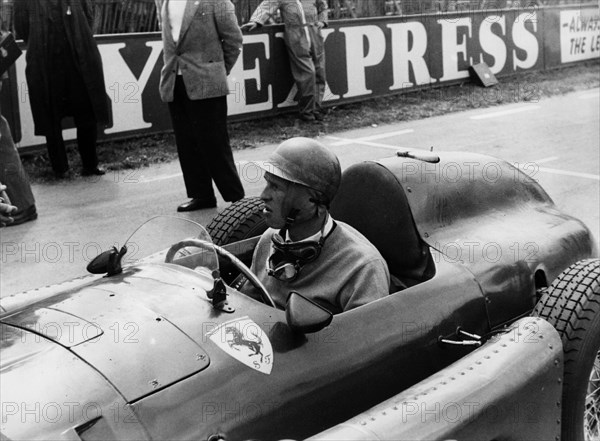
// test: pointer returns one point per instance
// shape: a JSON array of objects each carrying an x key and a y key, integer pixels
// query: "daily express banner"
[{"x": 365, "y": 58}]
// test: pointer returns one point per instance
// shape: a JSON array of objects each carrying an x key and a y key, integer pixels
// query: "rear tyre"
[
  {"x": 572, "y": 305},
  {"x": 241, "y": 220}
]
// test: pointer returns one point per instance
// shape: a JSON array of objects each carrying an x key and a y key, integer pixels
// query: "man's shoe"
[
  {"x": 196, "y": 204},
  {"x": 96, "y": 171}
]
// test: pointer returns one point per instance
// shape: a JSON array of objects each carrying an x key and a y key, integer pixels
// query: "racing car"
[{"x": 491, "y": 329}]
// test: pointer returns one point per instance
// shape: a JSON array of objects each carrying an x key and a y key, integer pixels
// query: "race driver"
[{"x": 305, "y": 249}]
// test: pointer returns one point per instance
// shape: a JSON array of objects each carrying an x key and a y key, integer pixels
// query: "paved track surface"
[{"x": 556, "y": 140}]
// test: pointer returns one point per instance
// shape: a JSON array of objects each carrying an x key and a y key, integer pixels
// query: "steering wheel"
[{"x": 266, "y": 298}]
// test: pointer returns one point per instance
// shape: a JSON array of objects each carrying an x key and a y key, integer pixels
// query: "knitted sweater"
[{"x": 350, "y": 272}]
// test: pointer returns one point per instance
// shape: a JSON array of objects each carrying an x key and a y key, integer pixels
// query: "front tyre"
[
  {"x": 572, "y": 305},
  {"x": 241, "y": 220}
]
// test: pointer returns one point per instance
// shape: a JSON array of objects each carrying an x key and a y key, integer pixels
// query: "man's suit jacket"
[{"x": 209, "y": 45}]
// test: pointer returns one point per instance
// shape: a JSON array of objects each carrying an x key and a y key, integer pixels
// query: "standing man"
[
  {"x": 13, "y": 173},
  {"x": 303, "y": 21},
  {"x": 202, "y": 42},
  {"x": 64, "y": 76}
]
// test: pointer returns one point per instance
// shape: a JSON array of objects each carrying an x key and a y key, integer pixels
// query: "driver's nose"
[{"x": 265, "y": 195}]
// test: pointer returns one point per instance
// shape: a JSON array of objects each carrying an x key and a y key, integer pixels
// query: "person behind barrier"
[
  {"x": 303, "y": 20},
  {"x": 304, "y": 249}
]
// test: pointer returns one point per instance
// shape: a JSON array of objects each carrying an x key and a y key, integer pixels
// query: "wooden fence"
[{"x": 125, "y": 16}]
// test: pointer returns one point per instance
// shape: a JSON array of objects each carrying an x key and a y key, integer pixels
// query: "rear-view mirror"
[{"x": 305, "y": 316}]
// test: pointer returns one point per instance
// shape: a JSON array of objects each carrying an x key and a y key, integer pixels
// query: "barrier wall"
[{"x": 365, "y": 58}]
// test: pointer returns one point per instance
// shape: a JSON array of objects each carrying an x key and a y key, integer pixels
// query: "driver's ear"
[{"x": 321, "y": 209}]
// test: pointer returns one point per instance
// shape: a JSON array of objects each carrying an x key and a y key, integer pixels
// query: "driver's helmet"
[{"x": 306, "y": 162}]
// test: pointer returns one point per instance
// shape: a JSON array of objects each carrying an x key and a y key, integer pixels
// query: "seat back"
[{"x": 372, "y": 200}]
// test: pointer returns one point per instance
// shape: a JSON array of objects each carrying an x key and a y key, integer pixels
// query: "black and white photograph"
[{"x": 325, "y": 220}]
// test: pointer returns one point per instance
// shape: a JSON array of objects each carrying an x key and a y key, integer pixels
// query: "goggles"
[{"x": 288, "y": 258}]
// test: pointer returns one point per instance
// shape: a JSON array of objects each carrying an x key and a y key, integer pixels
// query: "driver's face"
[{"x": 276, "y": 198}]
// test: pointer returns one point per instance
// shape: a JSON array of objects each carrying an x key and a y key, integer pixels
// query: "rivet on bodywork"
[
  {"x": 200, "y": 356},
  {"x": 425, "y": 234},
  {"x": 560, "y": 380},
  {"x": 556, "y": 362},
  {"x": 154, "y": 383}
]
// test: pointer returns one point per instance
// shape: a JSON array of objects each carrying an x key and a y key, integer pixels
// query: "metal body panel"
[
  {"x": 508, "y": 389},
  {"x": 66, "y": 329},
  {"x": 396, "y": 337},
  {"x": 48, "y": 393},
  {"x": 148, "y": 338},
  {"x": 487, "y": 215},
  {"x": 15, "y": 302}
]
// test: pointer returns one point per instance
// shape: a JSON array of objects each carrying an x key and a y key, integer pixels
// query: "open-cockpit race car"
[{"x": 491, "y": 331}]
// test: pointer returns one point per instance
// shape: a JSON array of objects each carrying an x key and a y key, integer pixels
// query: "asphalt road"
[{"x": 556, "y": 140}]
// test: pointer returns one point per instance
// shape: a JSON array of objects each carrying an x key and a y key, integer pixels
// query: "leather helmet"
[{"x": 306, "y": 162}]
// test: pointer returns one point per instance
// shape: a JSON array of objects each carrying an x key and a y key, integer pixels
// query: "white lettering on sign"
[
  {"x": 236, "y": 100},
  {"x": 405, "y": 57},
  {"x": 525, "y": 40},
  {"x": 328, "y": 94},
  {"x": 27, "y": 128},
  {"x": 290, "y": 99},
  {"x": 491, "y": 43},
  {"x": 579, "y": 35},
  {"x": 365, "y": 46},
  {"x": 124, "y": 89},
  {"x": 452, "y": 48}
]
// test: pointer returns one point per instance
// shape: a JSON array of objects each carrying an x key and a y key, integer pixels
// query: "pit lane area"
[{"x": 555, "y": 140}]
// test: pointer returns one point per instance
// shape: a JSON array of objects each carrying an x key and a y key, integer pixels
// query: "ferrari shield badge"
[{"x": 245, "y": 341}]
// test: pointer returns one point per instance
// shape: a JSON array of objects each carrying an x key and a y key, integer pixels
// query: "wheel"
[
  {"x": 241, "y": 220},
  {"x": 224, "y": 253},
  {"x": 572, "y": 305}
]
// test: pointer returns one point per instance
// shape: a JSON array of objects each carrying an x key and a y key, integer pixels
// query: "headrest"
[{"x": 372, "y": 200}]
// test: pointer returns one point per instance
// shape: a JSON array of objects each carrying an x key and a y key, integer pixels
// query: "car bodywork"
[{"x": 144, "y": 354}]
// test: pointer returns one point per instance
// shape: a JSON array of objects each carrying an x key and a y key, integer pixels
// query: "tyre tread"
[{"x": 237, "y": 221}]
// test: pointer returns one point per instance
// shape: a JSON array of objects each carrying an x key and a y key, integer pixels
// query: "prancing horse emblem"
[
  {"x": 239, "y": 340},
  {"x": 245, "y": 341}
]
